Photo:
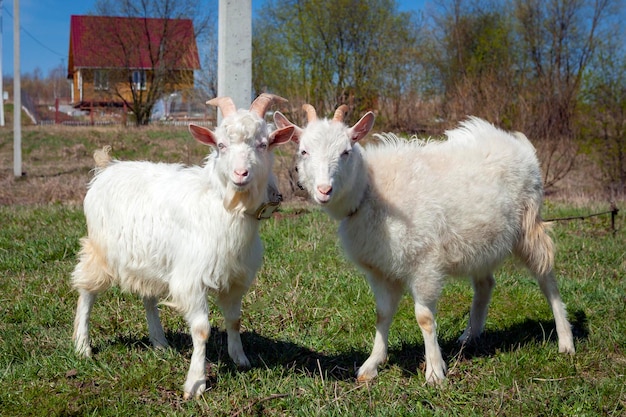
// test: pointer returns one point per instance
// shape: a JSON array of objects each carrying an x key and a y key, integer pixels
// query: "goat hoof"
[
  {"x": 244, "y": 364},
  {"x": 84, "y": 352},
  {"x": 468, "y": 340},
  {"x": 196, "y": 390},
  {"x": 436, "y": 378},
  {"x": 366, "y": 376},
  {"x": 241, "y": 360},
  {"x": 163, "y": 345}
]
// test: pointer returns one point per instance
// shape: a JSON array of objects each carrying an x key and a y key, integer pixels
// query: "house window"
[
  {"x": 101, "y": 80},
  {"x": 139, "y": 80}
]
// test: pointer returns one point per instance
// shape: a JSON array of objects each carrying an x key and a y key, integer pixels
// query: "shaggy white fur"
[
  {"x": 166, "y": 230},
  {"x": 414, "y": 212}
]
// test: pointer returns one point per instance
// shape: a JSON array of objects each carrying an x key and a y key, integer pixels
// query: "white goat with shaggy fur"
[
  {"x": 165, "y": 230},
  {"x": 413, "y": 213}
]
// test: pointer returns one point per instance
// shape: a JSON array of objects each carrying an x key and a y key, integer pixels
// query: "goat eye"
[
  {"x": 221, "y": 146},
  {"x": 262, "y": 145},
  {"x": 345, "y": 153},
  {"x": 303, "y": 152}
]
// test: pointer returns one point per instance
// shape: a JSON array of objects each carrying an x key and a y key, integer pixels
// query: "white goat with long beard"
[
  {"x": 415, "y": 212},
  {"x": 165, "y": 230}
]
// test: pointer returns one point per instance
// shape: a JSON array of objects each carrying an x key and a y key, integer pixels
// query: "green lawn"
[{"x": 308, "y": 322}]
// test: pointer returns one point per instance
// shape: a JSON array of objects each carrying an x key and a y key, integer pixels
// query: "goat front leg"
[
  {"x": 387, "y": 294},
  {"x": 198, "y": 321},
  {"x": 230, "y": 304},
  {"x": 435, "y": 365}
]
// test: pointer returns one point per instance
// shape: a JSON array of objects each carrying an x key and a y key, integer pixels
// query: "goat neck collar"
[
  {"x": 356, "y": 208},
  {"x": 265, "y": 210},
  {"x": 362, "y": 187}
]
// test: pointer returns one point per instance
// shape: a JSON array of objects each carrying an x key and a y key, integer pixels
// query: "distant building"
[{"x": 113, "y": 58}]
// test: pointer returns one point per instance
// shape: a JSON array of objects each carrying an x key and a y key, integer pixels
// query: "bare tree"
[
  {"x": 558, "y": 38},
  {"x": 44, "y": 90},
  {"x": 474, "y": 58},
  {"x": 206, "y": 80},
  {"x": 520, "y": 64},
  {"x": 604, "y": 116},
  {"x": 325, "y": 53},
  {"x": 58, "y": 83}
]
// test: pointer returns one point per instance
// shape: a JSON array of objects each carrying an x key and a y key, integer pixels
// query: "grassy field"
[{"x": 307, "y": 323}]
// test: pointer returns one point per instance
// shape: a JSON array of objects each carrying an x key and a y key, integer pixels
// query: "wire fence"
[
  {"x": 101, "y": 123},
  {"x": 613, "y": 212}
]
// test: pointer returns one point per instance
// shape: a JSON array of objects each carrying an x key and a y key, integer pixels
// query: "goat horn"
[
  {"x": 340, "y": 113},
  {"x": 226, "y": 105},
  {"x": 311, "y": 114},
  {"x": 262, "y": 102}
]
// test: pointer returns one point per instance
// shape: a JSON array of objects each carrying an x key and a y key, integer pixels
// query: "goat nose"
[
  {"x": 325, "y": 189},
  {"x": 241, "y": 172}
]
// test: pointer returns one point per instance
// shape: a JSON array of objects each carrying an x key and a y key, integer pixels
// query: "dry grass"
[
  {"x": 583, "y": 186},
  {"x": 57, "y": 161}
]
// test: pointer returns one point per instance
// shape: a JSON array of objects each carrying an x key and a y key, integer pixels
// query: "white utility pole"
[
  {"x": 17, "y": 98},
  {"x": 234, "y": 51}
]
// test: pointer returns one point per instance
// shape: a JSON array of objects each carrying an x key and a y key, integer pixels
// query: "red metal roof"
[{"x": 123, "y": 42}]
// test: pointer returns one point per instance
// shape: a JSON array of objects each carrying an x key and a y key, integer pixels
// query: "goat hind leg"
[
  {"x": 89, "y": 277},
  {"x": 80, "y": 336},
  {"x": 548, "y": 285},
  {"x": 230, "y": 304},
  {"x": 155, "y": 329},
  {"x": 536, "y": 250}
]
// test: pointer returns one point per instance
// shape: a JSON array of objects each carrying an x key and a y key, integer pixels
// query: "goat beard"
[{"x": 241, "y": 201}]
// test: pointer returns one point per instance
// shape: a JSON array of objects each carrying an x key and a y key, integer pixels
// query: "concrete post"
[
  {"x": 17, "y": 93},
  {"x": 234, "y": 55},
  {"x": 1, "y": 71}
]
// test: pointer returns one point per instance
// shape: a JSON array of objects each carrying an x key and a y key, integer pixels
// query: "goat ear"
[
  {"x": 362, "y": 127},
  {"x": 282, "y": 135},
  {"x": 203, "y": 135},
  {"x": 281, "y": 121}
]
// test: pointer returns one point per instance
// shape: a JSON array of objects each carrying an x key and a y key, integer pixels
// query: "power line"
[{"x": 33, "y": 37}]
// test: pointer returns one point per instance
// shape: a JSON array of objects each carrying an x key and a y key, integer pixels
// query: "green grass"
[{"x": 308, "y": 322}]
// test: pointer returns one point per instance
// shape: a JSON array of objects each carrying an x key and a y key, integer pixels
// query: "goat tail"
[
  {"x": 102, "y": 157},
  {"x": 536, "y": 247}
]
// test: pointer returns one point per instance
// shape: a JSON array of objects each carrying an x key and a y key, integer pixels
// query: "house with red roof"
[{"x": 115, "y": 61}]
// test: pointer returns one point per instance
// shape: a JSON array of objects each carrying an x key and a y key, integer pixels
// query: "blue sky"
[{"x": 44, "y": 38}]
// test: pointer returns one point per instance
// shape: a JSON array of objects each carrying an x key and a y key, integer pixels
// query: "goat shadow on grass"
[
  {"x": 269, "y": 352},
  {"x": 261, "y": 351}
]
